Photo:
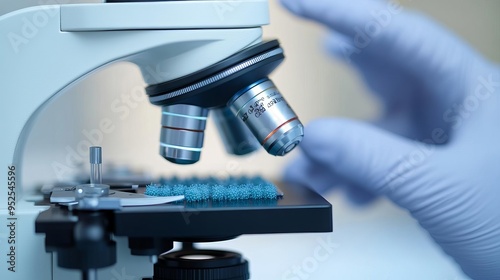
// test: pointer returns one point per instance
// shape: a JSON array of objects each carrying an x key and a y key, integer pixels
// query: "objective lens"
[
  {"x": 264, "y": 110},
  {"x": 237, "y": 138},
  {"x": 182, "y": 133}
]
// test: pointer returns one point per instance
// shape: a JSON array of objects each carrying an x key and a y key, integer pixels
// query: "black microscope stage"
[{"x": 299, "y": 210}]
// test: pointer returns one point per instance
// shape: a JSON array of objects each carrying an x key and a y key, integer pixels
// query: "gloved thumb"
[{"x": 361, "y": 153}]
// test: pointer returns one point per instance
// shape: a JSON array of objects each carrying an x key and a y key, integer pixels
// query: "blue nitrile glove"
[{"x": 436, "y": 150}]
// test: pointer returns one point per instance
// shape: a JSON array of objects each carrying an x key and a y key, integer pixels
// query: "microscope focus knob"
[{"x": 201, "y": 265}]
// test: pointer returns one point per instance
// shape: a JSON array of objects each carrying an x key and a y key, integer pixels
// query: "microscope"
[{"x": 215, "y": 60}]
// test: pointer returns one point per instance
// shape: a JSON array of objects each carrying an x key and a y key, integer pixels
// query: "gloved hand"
[{"x": 436, "y": 150}]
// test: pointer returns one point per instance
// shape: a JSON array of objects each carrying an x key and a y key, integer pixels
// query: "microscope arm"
[{"x": 46, "y": 49}]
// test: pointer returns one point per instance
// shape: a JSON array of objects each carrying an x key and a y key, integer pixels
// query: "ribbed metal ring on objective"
[
  {"x": 182, "y": 133},
  {"x": 218, "y": 77},
  {"x": 264, "y": 110}
]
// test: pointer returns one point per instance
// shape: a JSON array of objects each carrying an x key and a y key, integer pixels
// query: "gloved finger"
[
  {"x": 396, "y": 93},
  {"x": 387, "y": 33},
  {"x": 361, "y": 153},
  {"x": 339, "y": 15},
  {"x": 306, "y": 173},
  {"x": 358, "y": 195},
  {"x": 320, "y": 178},
  {"x": 410, "y": 109},
  {"x": 339, "y": 46}
]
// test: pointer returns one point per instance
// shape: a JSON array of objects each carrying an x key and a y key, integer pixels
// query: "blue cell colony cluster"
[{"x": 230, "y": 189}]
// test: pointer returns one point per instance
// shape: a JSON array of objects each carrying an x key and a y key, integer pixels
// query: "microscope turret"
[{"x": 238, "y": 86}]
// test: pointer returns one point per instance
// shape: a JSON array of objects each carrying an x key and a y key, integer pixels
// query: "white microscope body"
[{"x": 45, "y": 49}]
